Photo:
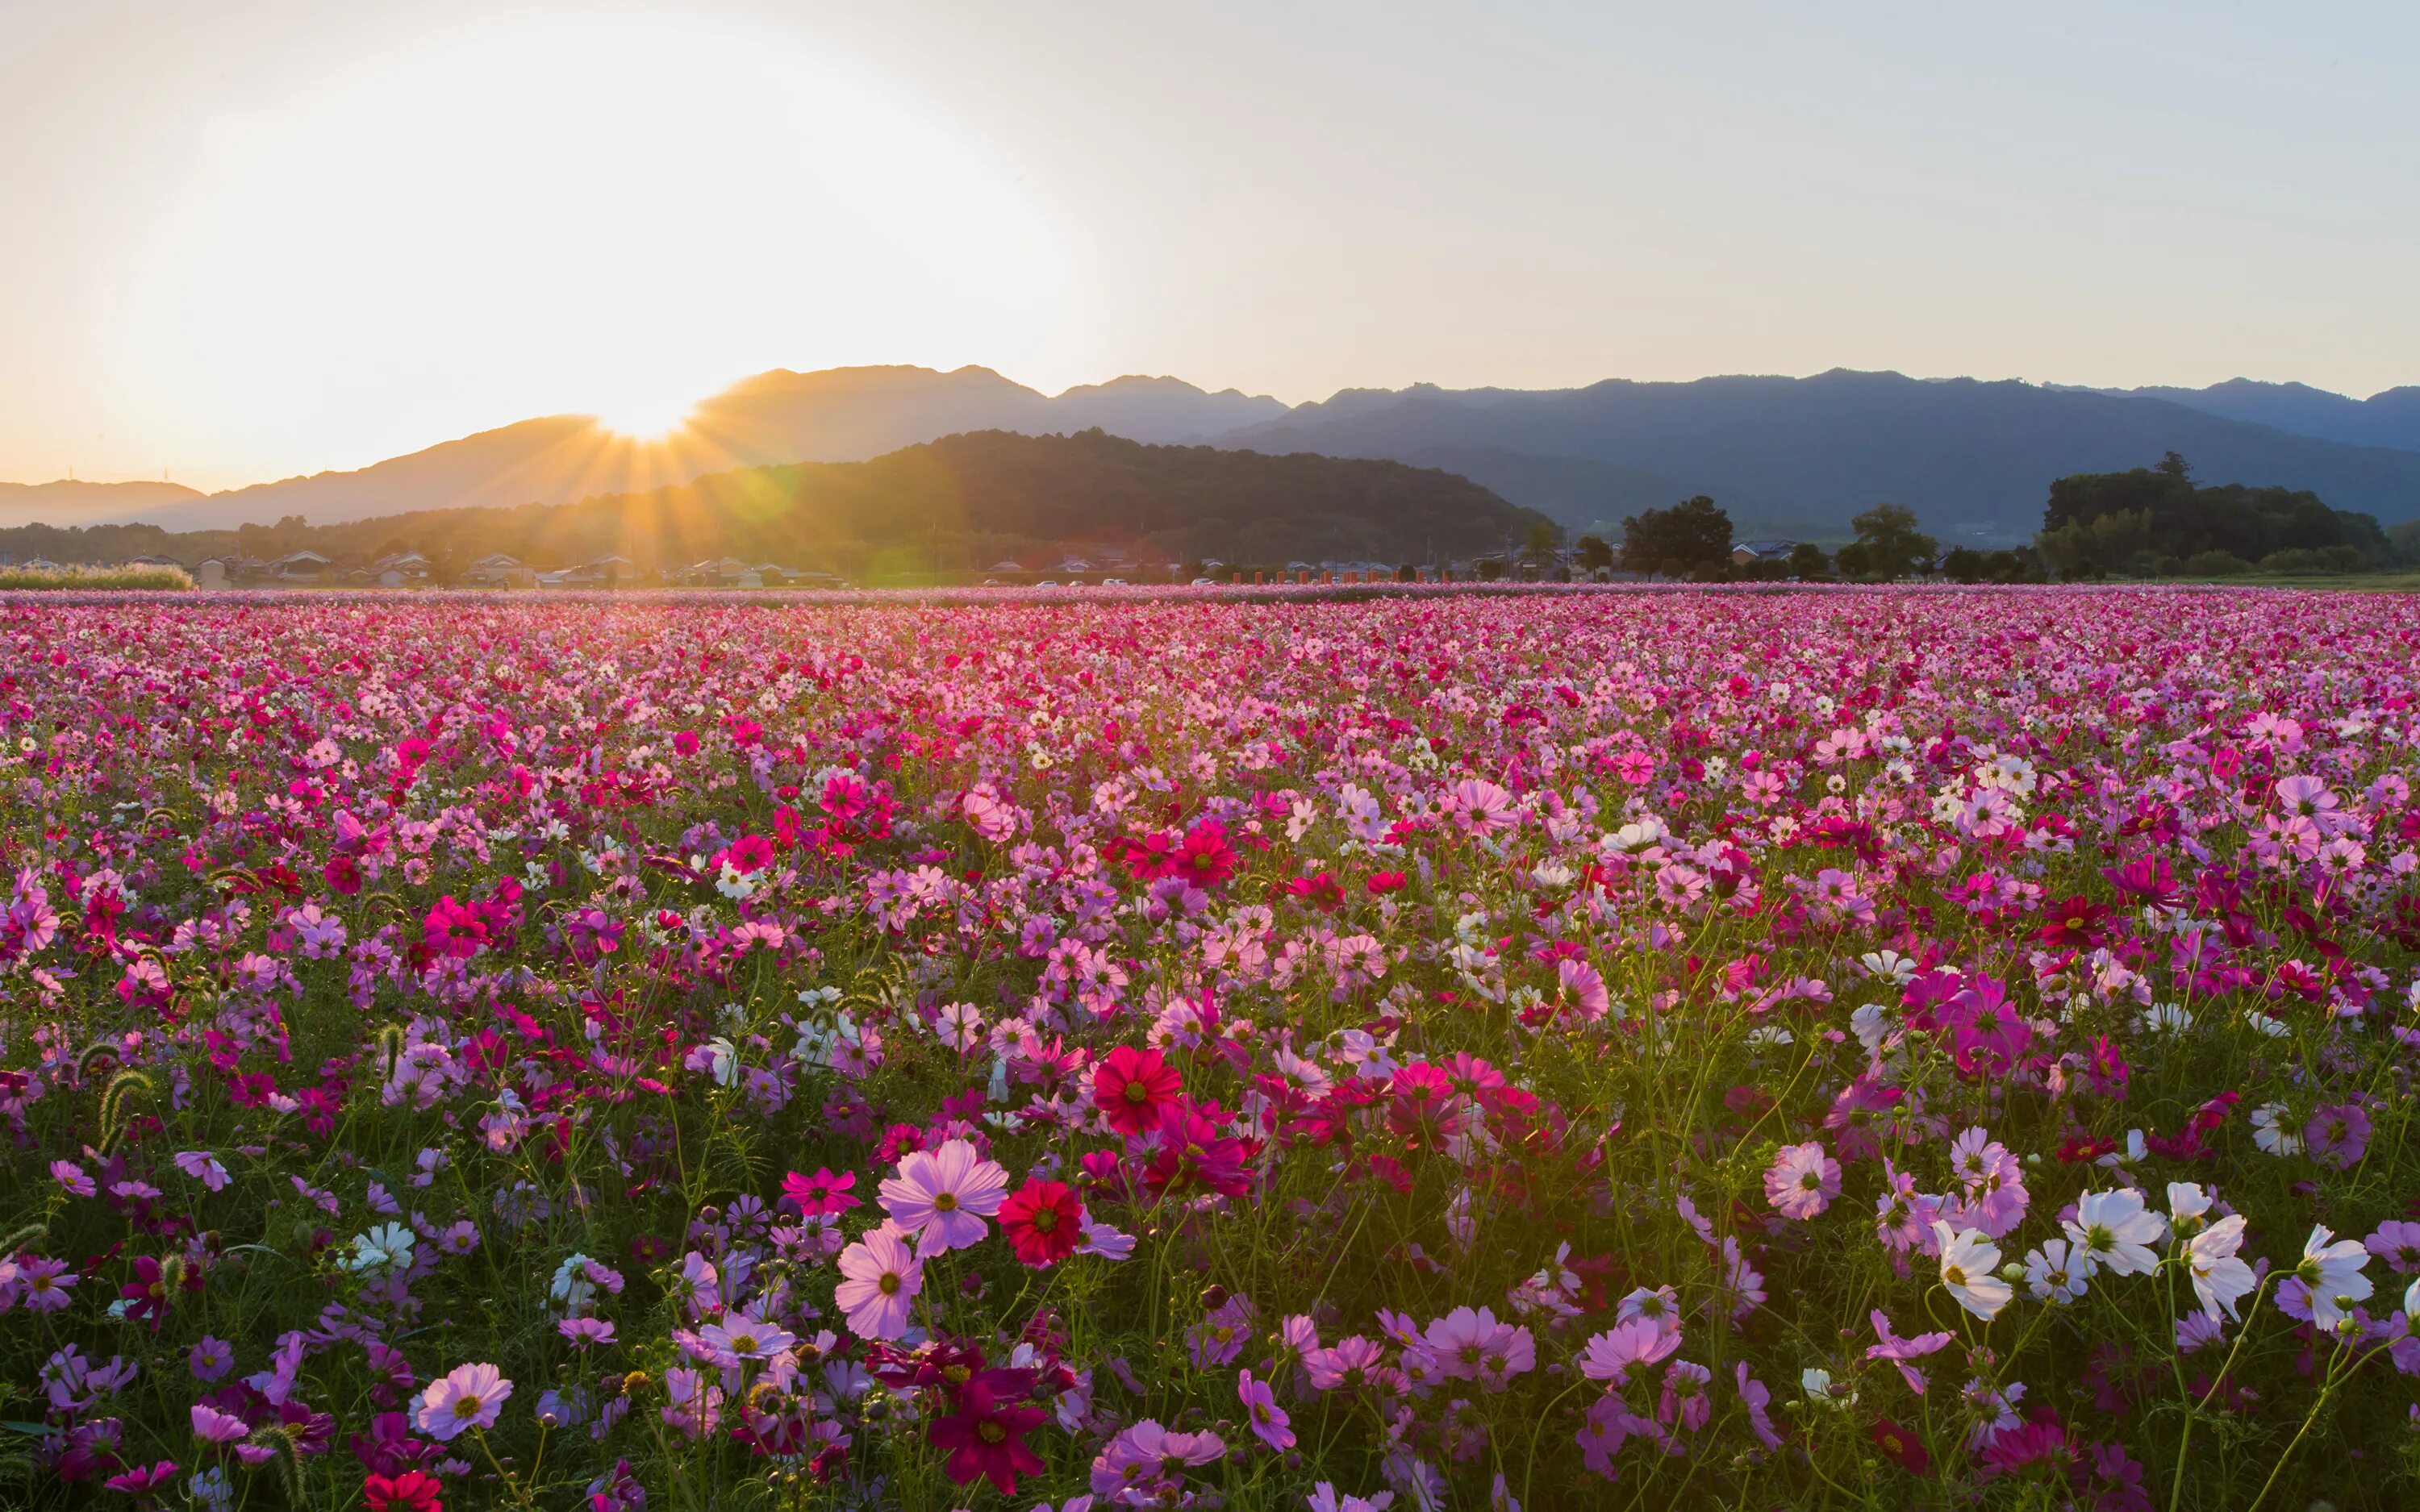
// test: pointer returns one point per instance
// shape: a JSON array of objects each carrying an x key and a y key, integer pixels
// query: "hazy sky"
[{"x": 245, "y": 239}]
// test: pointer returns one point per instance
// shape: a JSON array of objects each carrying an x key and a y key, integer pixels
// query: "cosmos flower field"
[{"x": 1623, "y": 1049}]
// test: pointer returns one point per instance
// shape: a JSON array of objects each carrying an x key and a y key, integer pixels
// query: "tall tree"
[
  {"x": 1693, "y": 534},
  {"x": 1893, "y": 547}
]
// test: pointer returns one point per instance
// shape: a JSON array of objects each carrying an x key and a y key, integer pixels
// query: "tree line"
[{"x": 2148, "y": 522}]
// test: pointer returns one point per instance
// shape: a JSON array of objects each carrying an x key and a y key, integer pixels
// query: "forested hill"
[{"x": 963, "y": 500}]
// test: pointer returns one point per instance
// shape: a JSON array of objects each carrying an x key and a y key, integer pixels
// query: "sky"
[{"x": 243, "y": 239}]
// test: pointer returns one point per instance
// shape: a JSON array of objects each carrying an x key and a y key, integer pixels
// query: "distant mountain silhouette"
[
  {"x": 74, "y": 501},
  {"x": 2389, "y": 418},
  {"x": 836, "y": 415},
  {"x": 1971, "y": 457},
  {"x": 1785, "y": 455},
  {"x": 962, "y": 501}
]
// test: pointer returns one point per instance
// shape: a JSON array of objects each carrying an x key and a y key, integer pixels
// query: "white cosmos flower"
[
  {"x": 2118, "y": 1230},
  {"x": 2220, "y": 1279},
  {"x": 1890, "y": 965},
  {"x": 2172, "y": 1018},
  {"x": 2273, "y": 1131},
  {"x": 2131, "y": 1155},
  {"x": 2057, "y": 1272},
  {"x": 1819, "y": 1389},
  {"x": 385, "y": 1248},
  {"x": 2333, "y": 1274},
  {"x": 1871, "y": 1025},
  {"x": 2187, "y": 1202},
  {"x": 572, "y": 1286},
  {"x": 1968, "y": 1264}
]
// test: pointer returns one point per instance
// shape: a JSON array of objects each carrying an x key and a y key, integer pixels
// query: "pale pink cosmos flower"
[
  {"x": 1609, "y": 1355},
  {"x": 882, "y": 1277},
  {"x": 740, "y": 1336},
  {"x": 466, "y": 1397},
  {"x": 203, "y": 1168},
  {"x": 943, "y": 1195},
  {"x": 1801, "y": 1181},
  {"x": 1350, "y": 1363}
]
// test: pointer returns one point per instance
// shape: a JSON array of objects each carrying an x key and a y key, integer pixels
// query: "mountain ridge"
[{"x": 1975, "y": 457}]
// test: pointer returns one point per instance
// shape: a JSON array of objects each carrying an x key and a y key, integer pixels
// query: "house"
[
  {"x": 234, "y": 570},
  {"x": 498, "y": 570},
  {"x": 153, "y": 561},
  {"x": 719, "y": 572},
  {"x": 1076, "y": 564},
  {"x": 298, "y": 567},
  {"x": 400, "y": 569},
  {"x": 1749, "y": 552},
  {"x": 607, "y": 571}
]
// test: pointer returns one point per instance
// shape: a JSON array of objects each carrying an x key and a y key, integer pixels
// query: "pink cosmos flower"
[
  {"x": 203, "y": 1168},
  {"x": 1900, "y": 1352},
  {"x": 466, "y": 1397},
  {"x": 1609, "y": 1355},
  {"x": 1801, "y": 1181},
  {"x": 1269, "y": 1421},
  {"x": 881, "y": 1278},
  {"x": 740, "y": 1336},
  {"x": 211, "y": 1359},
  {"x": 46, "y": 1283},
  {"x": 2397, "y": 1243},
  {"x": 1756, "y": 1398},
  {"x": 211, "y": 1426},
  {"x": 1348, "y": 1363},
  {"x": 942, "y": 1197}
]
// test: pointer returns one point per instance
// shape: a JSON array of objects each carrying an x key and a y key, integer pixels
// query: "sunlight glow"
[
  {"x": 516, "y": 219},
  {"x": 643, "y": 417}
]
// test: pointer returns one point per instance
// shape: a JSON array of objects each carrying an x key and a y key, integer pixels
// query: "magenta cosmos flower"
[
  {"x": 466, "y": 1397},
  {"x": 881, "y": 1279},
  {"x": 943, "y": 1195}
]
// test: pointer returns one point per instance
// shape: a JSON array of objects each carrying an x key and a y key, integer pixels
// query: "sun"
[
  {"x": 643, "y": 417},
  {"x": 514, "y": 218}
]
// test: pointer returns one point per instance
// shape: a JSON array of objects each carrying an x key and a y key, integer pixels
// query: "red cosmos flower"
[
  {"x": 820, "y": 1195},
  {"x": 154, "y": 1289},
  {"x": 411, "y": 1491},
  {"x": 1132, "y": 1087},
  {"x": 1206, "y": 859},
  {"x": 2073, "y": 923},
  {"x": 1898, "y": 1444},
  {"x": 1321, "y": 890},
  {"x": 1382, "y": 883},
  {"x": 1042, "y": 1221},
  {"x": 454, "y": 930},
  {"x": 749, "y": 855},
  {"x": 986, "y": 1439}
]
